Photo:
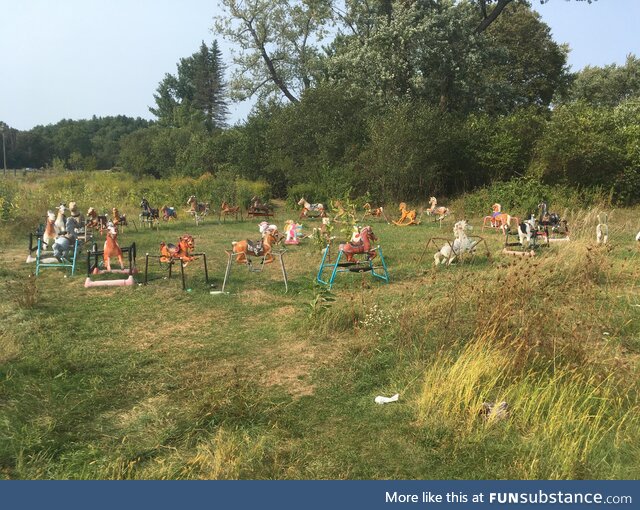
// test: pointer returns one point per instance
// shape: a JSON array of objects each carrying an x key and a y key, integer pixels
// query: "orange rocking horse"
[
  {"x": 363, "y": 245},
  {"x": 183, "y": 250},
  {"x": 407, "y": 218},
  {"x": 112, "y": 248},
  {"x": 263, "y": 248},
  {"x": 227, "y": 209}
]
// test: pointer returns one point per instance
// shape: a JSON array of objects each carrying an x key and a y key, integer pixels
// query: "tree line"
[{"x": 397, "y": 100}]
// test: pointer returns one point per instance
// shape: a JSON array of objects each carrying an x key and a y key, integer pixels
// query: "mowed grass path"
[{"x": 154, "y": 382}]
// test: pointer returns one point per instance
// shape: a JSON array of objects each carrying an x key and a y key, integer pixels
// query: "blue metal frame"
[
  {"x": 63, "y": 263},
  {"x": 336, "y": 268}
]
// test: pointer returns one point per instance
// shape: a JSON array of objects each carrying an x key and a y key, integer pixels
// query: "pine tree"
[{"x": 199, "y": 87}]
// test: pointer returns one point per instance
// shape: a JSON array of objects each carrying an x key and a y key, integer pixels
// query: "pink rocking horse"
[{"x": 366, "y": 237}]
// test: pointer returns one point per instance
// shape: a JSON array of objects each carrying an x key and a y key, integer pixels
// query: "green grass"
[{"x": 154, "y": 382}]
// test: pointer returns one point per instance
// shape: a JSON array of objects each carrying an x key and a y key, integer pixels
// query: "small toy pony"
[
  {"x": 227, "y": 209},
  {"x": 293, "y": 231},
  {"x": 374, "y": 212},
  {"x": 183, "y": 250},
  {"x": 112, "y": 248},
  {"x": 119, "y": 220},
  {"x": 553, "y": 220},
  {"x": 307, "y": 208},
  {"x": 433, "y": 210},
  {"x": 461, "y": 244},
  {"x": 96, "y": 221},
  {"x": 169, "y": 213},
  {"x": 197, "y": 209},
  {"x": 49, "y": 229},
  {"x": 148, "y": 214},
  {"x": 365, "y": 237},
  {"x": 261, "y": 248},
  {"x": 407, "y": 218},
  {"x": 76, "y": 214},
  {"x": 61, "y": 219},
  {"x": 498, "y": 219},
  {"x": 65, "y": 240},
  {"x": 602, "y": 229},
  {"x": 258, "y": 208}
]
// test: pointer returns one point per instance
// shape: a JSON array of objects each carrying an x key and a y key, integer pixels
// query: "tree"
[
  {"x": 278, "y": 41},
  {"x": 608, "y": 85},
  {"x": 196, "y": 94}
]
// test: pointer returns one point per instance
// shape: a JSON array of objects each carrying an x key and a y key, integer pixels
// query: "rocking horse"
[
  {"x": 555, "y": 227},
  {"x": 244, "y": 249},
  {"x": 112, "y": 248},
  {"x": 258, "y": 208},
  {"x": 49, "y": 229},
  {"x": 169, "y": 213},
  {"x": 602, "y": 229},
  {"x": 463, "y": 243},
  {"x": 171, "y": 253},
  {"x": 317, "y": 209},
  {"x": 96, "y": 221},
  {"x": 530, "y": 238},
  {"x": 61, "y": 219},
  {"x": 498, "y": 219},
  {"x": 119, "y": 220},
  {"x": 182, "y": 251},
  {"x": 149, "y": 215},
  {"x": 64, "y": 243},
  {"x": 227, "y": 209},
  {"x": 361, "y": 246},
  {"x": 374, "y": 212},
  {"x": 197, "y": 209},
  {"x": 440, "y": 212},
  {"x": 293, "y": 232},
  {"x": 407, "y": 218}
]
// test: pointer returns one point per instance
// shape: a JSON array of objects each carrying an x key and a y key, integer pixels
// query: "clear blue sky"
[{"x": 76, "y": 58}]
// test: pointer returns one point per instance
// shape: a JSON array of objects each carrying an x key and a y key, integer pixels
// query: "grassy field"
[{"x": 153, "y": 382}]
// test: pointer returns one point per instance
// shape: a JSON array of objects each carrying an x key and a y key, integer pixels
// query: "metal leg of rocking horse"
[
  {"x": 227, "y": 271},
  {"x": 384, "y": 277},
  {"x": 184, "y": 285}
]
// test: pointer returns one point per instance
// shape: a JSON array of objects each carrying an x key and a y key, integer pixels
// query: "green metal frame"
[
  {"x": 352, "y": 267},
  {"x": 63, "y": 263}
]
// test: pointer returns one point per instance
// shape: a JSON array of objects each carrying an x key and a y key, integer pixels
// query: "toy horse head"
[
  {"x": 402, "y": 206},
  {"x": 51, "y": 216},
  {"x": 368, "y": 233},
  {"x": 188, "y": 241},
  {"x": 302, "y": 201}
]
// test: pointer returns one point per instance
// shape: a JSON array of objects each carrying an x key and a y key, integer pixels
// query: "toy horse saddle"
[{"x": 255, "y": 247}]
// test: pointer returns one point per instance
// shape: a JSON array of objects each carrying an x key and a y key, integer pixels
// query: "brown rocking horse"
[
  {"x": 363, "y": 245},
  {"x": 94, "y": 220},
  {"x": 119, "y": 219},
  {"x": 112, "y": 248},
  {"x": 257, "y": 249},
  {"x": 183, "y": 251},
  {"x": 228, "y": 209},
  {"x": 407, "y": 218}
]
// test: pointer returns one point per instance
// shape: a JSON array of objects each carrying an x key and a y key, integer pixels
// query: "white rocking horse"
[
  {"x": 307, "y": 208},
  {"x": 461, "y": 244},
  {"x": 433, "y": 210}
]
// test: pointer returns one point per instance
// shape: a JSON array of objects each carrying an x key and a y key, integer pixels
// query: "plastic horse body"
[
  {"x": 75, "y": 213},
  {"x": 307, "y": 208},
  {"x": 407, "y": 217},
  {"x": 376, "y": 212},
  {"x": 257, "y": 206},
  {"x": 96, "y": 221},
  {"x": 262, "y": 248},
  {"x": 118, "y": 219},
  {"x": 602, "y": 229},
  {"x": 461, "y": 244},
  {"x": 49, "y": 229},
  {"x": 441, "y": 212},
  {"x": 64, "y": 242},
  {"x": 61, "y": 219},
  {"x": 197, "y": 208},
  {"x": 183, "y": 250},
  {"x": 169, "y": 213},
  {"x": 362, "y": 245},
  {"x": 227, "y": 209},
  {"x": 293, "y": 232},
  {"x": 112, "y": 248},
  {"x": 148, "y": 213}
]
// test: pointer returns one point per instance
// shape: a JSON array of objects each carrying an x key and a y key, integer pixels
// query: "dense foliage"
[{"x": 399, "y": 101}]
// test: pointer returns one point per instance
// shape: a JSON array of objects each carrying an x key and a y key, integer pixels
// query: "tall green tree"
[
  {"x": 196, "y": 94},
  {"x": 279, "y": 44}
]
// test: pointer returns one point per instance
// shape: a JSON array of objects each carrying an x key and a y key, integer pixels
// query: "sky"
[{"x": 77, "y": 58}]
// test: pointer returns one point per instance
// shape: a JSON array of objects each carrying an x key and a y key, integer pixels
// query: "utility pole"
[{"x": 4, "y": 153}]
